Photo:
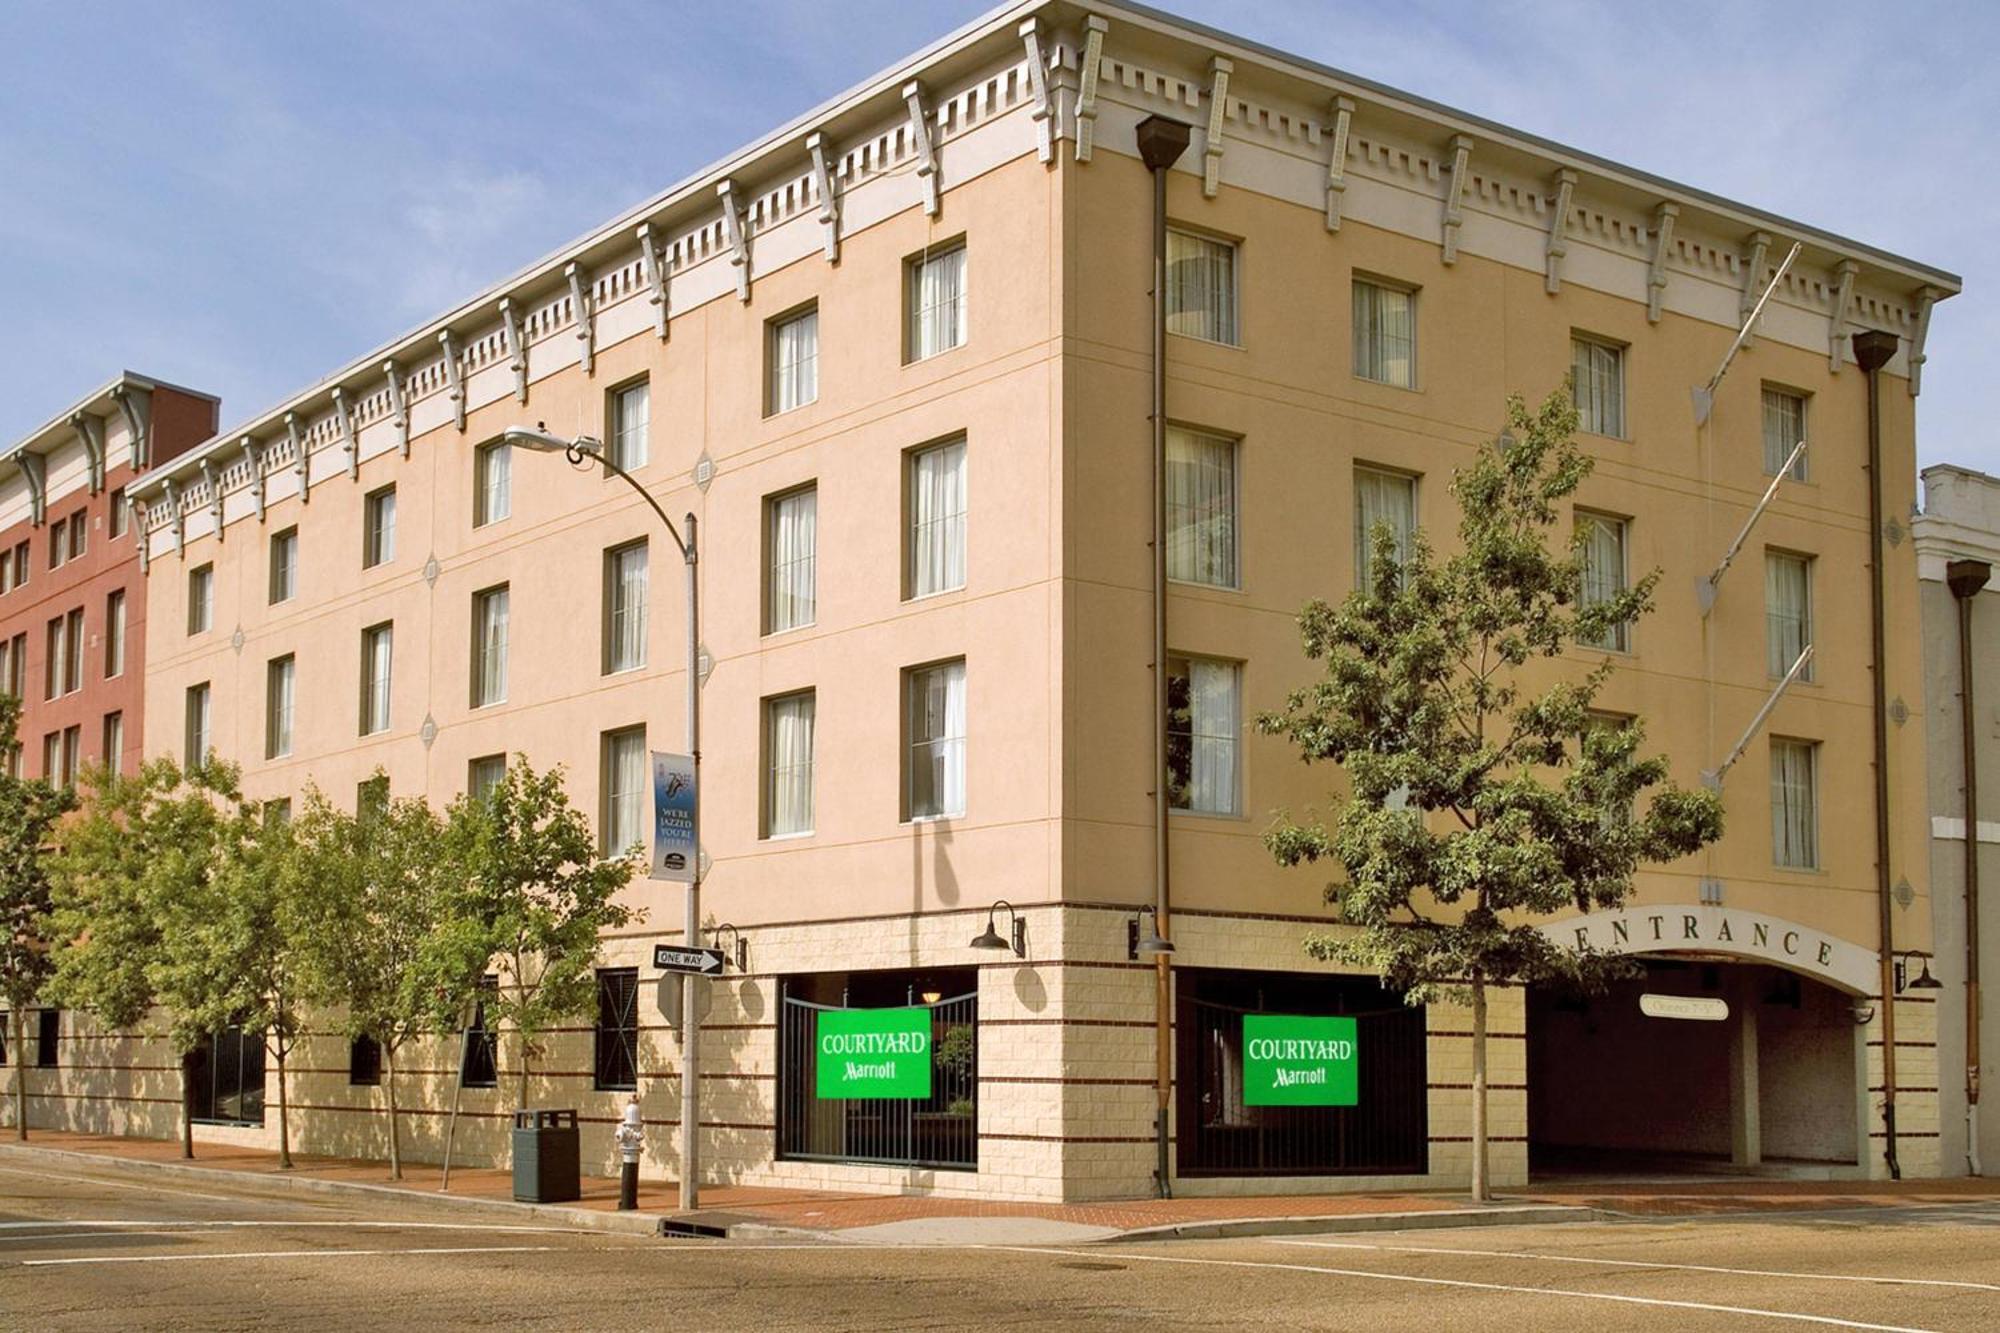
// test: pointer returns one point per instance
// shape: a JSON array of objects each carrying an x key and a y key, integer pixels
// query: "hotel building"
[{"x": 897, "y": 357}]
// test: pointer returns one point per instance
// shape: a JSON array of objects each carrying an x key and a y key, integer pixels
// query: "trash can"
[{"x": 545, "y": 1157}]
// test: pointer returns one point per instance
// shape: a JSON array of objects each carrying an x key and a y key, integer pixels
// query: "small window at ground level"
[
  {"x": 48, "y": 1038},
  {"x": 617, "y": 1028},
  {"x": 364, "y": 1062}
]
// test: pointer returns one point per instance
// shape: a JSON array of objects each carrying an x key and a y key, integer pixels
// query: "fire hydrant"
[{"x": 631, "y": 1136}]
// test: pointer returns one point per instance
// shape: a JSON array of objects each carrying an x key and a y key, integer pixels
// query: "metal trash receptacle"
[{"x": 546, "y": 1159}]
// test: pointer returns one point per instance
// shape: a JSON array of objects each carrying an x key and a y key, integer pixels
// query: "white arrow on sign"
[{"x": 700, "y": 962}]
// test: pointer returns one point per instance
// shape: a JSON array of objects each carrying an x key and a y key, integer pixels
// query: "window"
[
  {"x": 493, "y": 483},
  {"x": 21, "y": 562},
  {"x": 65, "y": 657},
  {"x": 1787, "y": 611},
  {"x": 1202, "y": 734},
  {"x": 631, "y": 424},
  {"x": 55, "y": 667},
  {"x": 1784, "y": 427},
  {"x": 62, "y": 757},
  {"x": 114, "y": 742},
  {"x": 622, "y": 818},
  {"x": 1201, "y": 508},
  {"x": 226, "y": 1077},
  {"x": 371, "y": 797},
  {"x": 617, "y": 1029},
  {"x": 79, "y": 532},
  {"x": 1599, "y": 369},
  {"x": 7, "y": 570},
  {"x": 1604, "y": 576},
  {"x": 625, "y": 607},
  {"x": 483, "y": 774},
  {"x": 1201, "y": 288},
  {"x": 936, "y": 507},
  {"x": 1382, "y": 497},
  {"x": 936, "y": 280},
  {"x": 52, "y": 759},
  {"x": 479, "y": 1059},
  {"x": 17, "y": 666},
  {"x": 792, "y": 352},
  {"x": 201, "y": 599},
  {"x": 364, "y": 1062},
  {"x": 196, "y": 732},
  {"x": 1794, "y": 804},
  {"x": 119, "y": 516},
  {"x": 792, "y": 534},
  {"x": 279, "y": 677},
  {"x": 114, "y": 633},
  {"x": 377, "y": 659},
  {"x": 58, "y": 542},
  {"x": 1385, "y": 334},
  {"x": 48, "y": 1038},
  {"x": 284, "y": 565},
  {"x": 278, "y": 812},
  {"x": 788, "y": 765},
  {"x": 935, "y": 780},
  {"x": 378, "y": 528},
  {"x": 489, "y": 647}
]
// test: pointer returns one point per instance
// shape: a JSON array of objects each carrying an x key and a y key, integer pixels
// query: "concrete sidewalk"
[{"x": 749, "y": 1212}]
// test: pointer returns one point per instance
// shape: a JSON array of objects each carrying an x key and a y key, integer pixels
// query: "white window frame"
[
  {"x": 775, "y": 710},
  {"x": 378, "y": 527},
  {"x": 284, "y": 566},
  {"x": 791, "y": 580},
  {"x": 1776, "y": 624},
  {"x": 916, "y": 682},
  {"x": 480, "y": 779},
  {"x": 1181, "y": 666},
  {"x": 1371, "y": 352},
  {"x": 1221, "y": 322},
  {"x": 492, "y": 483},
  {"x": 627, "y": 593},
  {"x": 1184, "y": 518},
  {"x": 1363, "y": 548},
  {"x": 197, "y": 734},
  {"x": 618, "y": 804},
  {"x": 378, "y": 677},
  {"x": 280, "y": 699},
  {"x": 920, "y": 535},
  {"x": 628, "y": 442},
  {"x": 924, "y": 336},
  {"x": 1778, "y": 403},
  {"x": 1591, "y": 418},
  {"x": 201, "y": 599},
  {"x": 1781, "y": 856},
  {"x": 491, "y": 625},
  {"x": 1619, "y": 638},
  {"x": 790, "y": 384}
]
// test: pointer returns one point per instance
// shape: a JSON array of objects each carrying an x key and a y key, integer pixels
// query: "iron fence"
[{"x": 940, "y": 1131}]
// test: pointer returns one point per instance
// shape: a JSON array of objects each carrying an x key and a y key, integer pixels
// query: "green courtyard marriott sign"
[
  {"x": 868, "y": 1053},
  {"x": 1296, "y": 1060}
]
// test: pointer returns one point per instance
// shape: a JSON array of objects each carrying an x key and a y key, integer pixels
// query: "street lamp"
[{"x": 582, "y": 451}]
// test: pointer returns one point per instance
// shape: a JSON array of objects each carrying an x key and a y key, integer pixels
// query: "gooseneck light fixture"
[{"x": 990, "y": 938}]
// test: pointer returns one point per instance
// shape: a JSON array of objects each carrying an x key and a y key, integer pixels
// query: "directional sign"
[
  {"x": 699, "y": 962},
  {"x": 1701, "y": 1008}
]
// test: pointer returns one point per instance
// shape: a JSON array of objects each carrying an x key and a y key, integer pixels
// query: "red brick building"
[{"x": 72, "y": 591}]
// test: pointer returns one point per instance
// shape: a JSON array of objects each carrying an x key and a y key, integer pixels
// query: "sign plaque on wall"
[{"x": 1300, "y": 1060}]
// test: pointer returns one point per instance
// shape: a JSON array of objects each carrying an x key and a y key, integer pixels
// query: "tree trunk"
[
  {"x": 19, "y": 1039},
  {"x": 1481, "y": 1191},
  {"x": 284, "y": 1119},
  {"x": 187, "y": 1104},
  {"x": 521, "y": 1101},
  {"x": 389, "y": 1090}
]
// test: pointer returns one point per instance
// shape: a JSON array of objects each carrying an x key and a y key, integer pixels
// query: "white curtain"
[
  {"x": 492, "y": 646},
  {"x": 940, "y": 303},
  {"x": 628, "y": 608},
  {"x": 789, "y": 798},
  {"x": 1600, "y": 387},
  {"x": 197, "y": 725},
  {"x": 496, "y": 494},
  {"x": 1604, "y": 572},
  {"x": 1212, "y": 688},
  {"x": 278, "y": 722},
  {"x": 1201, "y": 509},
  {"x": 795, "y": 362},
  {"x": 937, "y": 519},
  {"x": 380, "y": 650},
  {"x": 1784, "y": 427},
  {"x": 625, "y": 775},
  {"x": 635, "y": 416},
  {"x": 937, "y": 741},
  {"x": 1794, "y": 805},
  {"x": 1201, "y": 287},
  {"x": 383, "y": 535},
  {"x": 1381, "y": 497},
  {"x": 1787, "y": 611},
  {"x": 794, "y": 559},
  {"x": 1385, "y": 335}
]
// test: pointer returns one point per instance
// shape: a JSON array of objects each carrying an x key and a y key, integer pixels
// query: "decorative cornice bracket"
[
  {"x": 1753, "y": 278},
  {"x": 138, "y": 422},
  {"x": 1219, "y": 70},
  {"x": 1454, "y": 197},
  {"x": 399, "y": 407},
  {"x": 654, "y": 265},
  {"x": 1044, "y": 114},
  {"x": 90, "y": 433},
  {"x": 301, "y": 461},
  {"x": 214, "y": 484},
  {"x": 829, "y": 207},
  {"x": 1836, "y": 318},
  {"x": 1926, "y": 298},
  {"x": 1336, "y": 160},
  {"x": 35, "y": 471},
  {"x": 583, "y": 311},
  {"x": 343, "y": 414},
  {"x": 454, "y": 375},
  {"x": 178, "y": 519},
  {"x": 1557, "y": 246},
  {"x": 1094, "y": 28},
  {"x": 517, "y": 351},
  {"x": 738, "y": 238},
  {"x": 924, "y": 145},
  {"x": 253, "y": 454},
  {"x": 1664, "y": 218},
  {"x": 143, "y": 537}
]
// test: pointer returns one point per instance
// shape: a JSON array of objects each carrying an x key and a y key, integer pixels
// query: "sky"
[{"x": 242, "y": 198}]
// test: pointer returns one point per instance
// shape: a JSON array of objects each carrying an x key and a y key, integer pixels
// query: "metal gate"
[
  {"x": 1387, "y": 1133},
  {"x": 940, "y": 1131}
]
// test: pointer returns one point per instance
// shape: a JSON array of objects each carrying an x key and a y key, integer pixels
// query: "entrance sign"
[
  {"x": 1298, "y": 1060},
  {"x": 1704, "y": 930},
  {"x": 873, "y": 1053},
  {"x": 1705, "y": 1008},
  {"x": 699, "y": 962},
  {"x": 673, "y": 818}
]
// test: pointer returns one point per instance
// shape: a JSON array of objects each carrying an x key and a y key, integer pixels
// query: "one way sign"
[{"x": 700, "y": 962}]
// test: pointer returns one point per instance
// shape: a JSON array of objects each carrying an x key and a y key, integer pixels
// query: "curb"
[
  {"x": 1433, "y": 1220},
  {"x": 283, "y": 1186}
]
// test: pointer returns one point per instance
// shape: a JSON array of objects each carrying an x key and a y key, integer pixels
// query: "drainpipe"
[
  {"x": 1965, "y": 578},
  {"x": 1872, "y": 350},
  {"x": 1161, "y": 143}
]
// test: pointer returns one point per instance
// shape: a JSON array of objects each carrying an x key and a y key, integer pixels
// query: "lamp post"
[{"x": 582, "y": 450}]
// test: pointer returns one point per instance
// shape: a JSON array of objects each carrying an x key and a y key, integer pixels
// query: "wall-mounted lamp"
[
  {"x": 742, "y": 949},
  {"x": 1018, "y": 931},
  {"x": 1864, "y": 1013},
  {"x": 932, "y": 996},
  {"x": 1924, "y": 981},
  {"x": 1149, "y": 945}
]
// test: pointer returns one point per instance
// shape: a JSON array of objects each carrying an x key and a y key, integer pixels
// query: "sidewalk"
[{"x": 745, "y": 1211}]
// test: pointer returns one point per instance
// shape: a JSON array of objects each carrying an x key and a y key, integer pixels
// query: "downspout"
[
  {"x": 1966, "y": 578},
  {"x": 1872, "y": 350},
  {"x": 1161, "y": 143}
]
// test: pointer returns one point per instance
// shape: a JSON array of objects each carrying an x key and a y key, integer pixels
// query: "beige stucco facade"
[{"x": 1050, "y": 391}]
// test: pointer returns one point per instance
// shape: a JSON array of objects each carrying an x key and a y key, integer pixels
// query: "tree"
[
  {"x": 542, "y": 894},
  {"x": 1482, "y": 793},
  {"x": 375, "y": 907},
  {"x": 29, "y": 811},
  {"x": 137, "y": 888}
]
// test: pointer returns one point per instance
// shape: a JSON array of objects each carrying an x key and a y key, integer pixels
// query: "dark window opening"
[
  {"x": 618, "y": 1028},
  {"x": 48, "y": 1037},
  {"x": 364, "y": 1062},
  {"x": 226, "y": 1075},
  {"x": 479, "y": 1060}
]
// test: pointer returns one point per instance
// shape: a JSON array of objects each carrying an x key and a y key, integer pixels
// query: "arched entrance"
[{"x": 1737, "y": 1049}]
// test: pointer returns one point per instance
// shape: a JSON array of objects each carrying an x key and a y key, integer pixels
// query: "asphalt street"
[{"x": 104, "y": 1250}]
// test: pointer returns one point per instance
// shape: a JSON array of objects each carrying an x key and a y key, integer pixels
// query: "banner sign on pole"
[
  {"x": 673, "y": 817},
  {"x": 868, "y": 1053},
  {"x": 1297, "y": 1060}
]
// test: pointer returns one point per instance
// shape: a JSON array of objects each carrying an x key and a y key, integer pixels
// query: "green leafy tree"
[
  {"x": 373, "y": 899},
  {"x": 1482, "y": 794},
  {"x": 29, "y": 813},
  {"x": 137, "y": 888},
  {"x": 542, "y": 894}
]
